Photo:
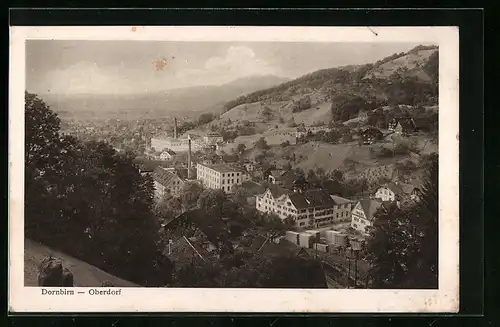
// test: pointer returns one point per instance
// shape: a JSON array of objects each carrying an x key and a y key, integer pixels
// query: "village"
[
  {"x": 318, "y": 222},
  {"x": 307, "y": 182}
]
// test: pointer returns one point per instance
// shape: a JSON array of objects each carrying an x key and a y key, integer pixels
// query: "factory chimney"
[
  {"x": 175, "y": 128},
  {"x": 189, "y": 157}
]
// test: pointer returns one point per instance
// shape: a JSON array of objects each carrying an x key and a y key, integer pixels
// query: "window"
[
  {"x": 223, "y": 188},
  {"x": 237, "y": 180}
]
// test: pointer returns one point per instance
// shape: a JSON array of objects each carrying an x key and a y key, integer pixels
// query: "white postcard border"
[{"x": 445, "y": 299}]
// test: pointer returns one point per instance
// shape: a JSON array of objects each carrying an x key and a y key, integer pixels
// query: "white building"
[
  {"x": 342, "y": 209},
  {"x": 220, "y": 176},
  {"x": 397, "y": 192},
  {"x": 310, "y": 209},
  {"x": 176, "y": 145},
  {"x": 213, "y": 138},
  {"x": 363, "y": 214},
  {"x": 167, "y": 154}
]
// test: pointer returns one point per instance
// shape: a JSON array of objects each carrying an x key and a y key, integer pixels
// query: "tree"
[
  {"x": 261, "y": 144},
  {"x": 267, "y": 114},
  {"x": 241, "y": 148},
  {"x": 89, "y": 201},
  {"x": 403, "y": 247},
  {"x": 212, "y": 202},
  {"x": 205, "y": 118},
  {"x": 274, "y": 226},
  {"x": 336, "y": 175},
  {"x": 240, "y": 195}
]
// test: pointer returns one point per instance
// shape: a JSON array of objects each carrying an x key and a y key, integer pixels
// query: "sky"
[{"x": 121, "y": 67}]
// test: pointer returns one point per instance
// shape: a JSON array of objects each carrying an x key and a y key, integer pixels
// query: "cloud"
[
  {"x": 88, "y": 77},
  {"x": 238, "y": 62}
]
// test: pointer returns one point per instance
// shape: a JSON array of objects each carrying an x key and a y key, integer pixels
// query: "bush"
[
  {"x": 262, "y": 144},
  {"x": 303, "y": 103},
  {"x": 285, "y": 144}
]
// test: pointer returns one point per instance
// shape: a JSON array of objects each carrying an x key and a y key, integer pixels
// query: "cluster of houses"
[
  {"x": 289, "y": 196},
  {"x": 318, "y": 208},
  {"x": 404, "y": 126}
]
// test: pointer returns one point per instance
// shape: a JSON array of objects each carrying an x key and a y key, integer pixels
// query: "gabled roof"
[
  {"x": 230, "y": 158},
  {"x": 407, "y": 123},
  {"x": 395, "y": 188},
  {"x": 170, "y": 152},
  {"x": 339, "y": 200},
  {"x": 369, "y": 207},
  {"x": 371, "y": 129},
  {"x": 277, "y": 173},
  {"x": 408, "y": 188},
  {"x": 277, "y": 191},
  {"x": 311, "y": 198},
  {"x": 213, "y": 227},
  {"x": 163, "y": 176}
]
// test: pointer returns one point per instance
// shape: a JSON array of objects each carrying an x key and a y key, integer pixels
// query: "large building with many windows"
[
  {"x": 220, "y": 176},
  {"x": 308, "y": 209}
]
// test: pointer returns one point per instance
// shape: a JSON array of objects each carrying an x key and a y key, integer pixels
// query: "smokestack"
[
  {"x": 175, "y": 128},
  {"x": 189, "y": 157}
]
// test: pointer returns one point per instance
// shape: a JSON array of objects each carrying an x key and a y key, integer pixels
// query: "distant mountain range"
[
  {"x": 339, "y": 93},
  {"x": 191, "y": 101}
]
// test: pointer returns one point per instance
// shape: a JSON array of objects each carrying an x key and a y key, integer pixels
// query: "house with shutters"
[
  {"x": 167, "y": 154},
  {"x": 363, "y": 214},
  {"x": 309, "y": 209},
  {"x": 396, "y": 191},
  {"x": 403, "y": 125}
]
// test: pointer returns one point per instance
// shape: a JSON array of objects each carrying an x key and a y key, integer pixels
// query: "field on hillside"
[
  {"x": 84, "y": 274},
  {"x": 408, "y": 62},
  {"x": 321, "y": 155}
]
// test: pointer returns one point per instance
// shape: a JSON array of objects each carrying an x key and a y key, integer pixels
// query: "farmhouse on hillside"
[
  {"x": 371, "y": 134},
  {"x": 395, "y": 191}
]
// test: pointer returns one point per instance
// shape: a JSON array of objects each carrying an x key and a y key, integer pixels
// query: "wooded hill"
[{"x": 409, "y": 78}]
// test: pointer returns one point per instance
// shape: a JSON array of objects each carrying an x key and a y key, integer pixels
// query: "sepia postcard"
[{"x": 234, "y": 169}]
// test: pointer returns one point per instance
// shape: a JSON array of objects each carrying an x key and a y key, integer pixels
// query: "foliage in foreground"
[
  {"x": 89, "y": 201},
  {"x": 403, "y": 248}
]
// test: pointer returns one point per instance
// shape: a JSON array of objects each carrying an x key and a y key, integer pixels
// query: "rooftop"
[
  {"x": 84, "y": 274},
  {"x": 311, "y": 198},
  {"x": 370, "y": 206},
  {"x": 222, "y": 168},
  {"x": 277, "y": 191},
  {"x": 170, "y": 152},
  {"x": 339, "y": 200},
  {"x": 164, "y": 176}
]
